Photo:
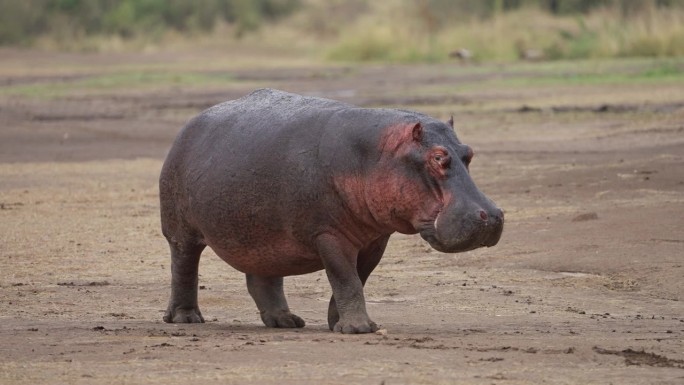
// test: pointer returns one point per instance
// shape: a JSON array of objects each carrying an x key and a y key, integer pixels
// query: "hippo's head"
[{"x": 427, "y": 189}]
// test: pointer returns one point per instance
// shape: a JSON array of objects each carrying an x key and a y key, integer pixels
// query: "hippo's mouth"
[
  {"x": 471, "y": 243},
  {"x": 468, "y": 236}
]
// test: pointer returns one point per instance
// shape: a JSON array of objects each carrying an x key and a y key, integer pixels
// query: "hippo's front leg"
[
  {"x": 366, "y": 261},
  {"x": 269, "y": 297},
  {"x": 340, "y": 266}
]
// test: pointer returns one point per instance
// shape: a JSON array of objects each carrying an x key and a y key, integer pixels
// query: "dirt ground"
[{"x": 586, "y": 285}]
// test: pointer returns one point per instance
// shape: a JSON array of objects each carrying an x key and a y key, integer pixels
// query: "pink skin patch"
[
  {"x": 390, "y": 196},
  {"x": 398, "y": 137}
]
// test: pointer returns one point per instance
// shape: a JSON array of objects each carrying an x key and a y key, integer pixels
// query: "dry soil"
[{"x": 586, "y": 285}]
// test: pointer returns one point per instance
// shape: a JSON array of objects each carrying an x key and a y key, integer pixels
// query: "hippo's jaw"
[{"x": 475, "y": 230}]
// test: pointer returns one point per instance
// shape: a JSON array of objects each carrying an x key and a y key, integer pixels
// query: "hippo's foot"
[
  {"x": 183, "y": 316},
  {"x": 282, "y": 319},
  {"x": 357, "y": 326},
  {"x": 361, "y": 325}
]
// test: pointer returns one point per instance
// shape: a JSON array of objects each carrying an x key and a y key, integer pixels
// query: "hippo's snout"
[
  {"x": 457, "y": 233},
  {"x": 493, "y": 226}
]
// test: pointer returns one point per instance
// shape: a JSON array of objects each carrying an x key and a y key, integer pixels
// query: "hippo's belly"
[{"x": 272, "y": 258}]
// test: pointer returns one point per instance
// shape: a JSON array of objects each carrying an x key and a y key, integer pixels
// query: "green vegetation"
[
  {"x": 360, "y": 30},
  {"x": 22, "y": 21},
  {"x": 656, "y": 72},
  {"x": 120, "y": 80},
  {"x": 521, "y": 75}
]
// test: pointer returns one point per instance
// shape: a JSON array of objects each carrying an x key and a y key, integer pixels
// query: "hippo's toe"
[
  {"x": 282, "y": 319},
  {"x": 183, "y": 316},
  {"x": 360, "y": 327}
]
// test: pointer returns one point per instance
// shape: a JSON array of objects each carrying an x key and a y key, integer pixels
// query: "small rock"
[
  {"x": 381, "y": 332},
  {"x": 585, "y": 217}
]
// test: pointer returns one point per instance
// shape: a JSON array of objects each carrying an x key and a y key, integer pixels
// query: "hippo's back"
[{"x": 265, "y": 118}]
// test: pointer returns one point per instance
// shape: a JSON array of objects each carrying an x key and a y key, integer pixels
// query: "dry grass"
[
  {"x": 388, "y": 33},
  {"x": 400, "y": 31}
]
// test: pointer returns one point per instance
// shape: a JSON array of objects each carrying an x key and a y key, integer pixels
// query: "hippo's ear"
[
  {"x": 450, "y": 122},
  {"x": 417, "y": 132}
]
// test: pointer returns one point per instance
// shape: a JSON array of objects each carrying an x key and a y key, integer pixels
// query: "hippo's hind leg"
[
  {"x": 268, "y": 294},
  {"x": 367, "y": 260},
  {"x": 183, "y": 306}
]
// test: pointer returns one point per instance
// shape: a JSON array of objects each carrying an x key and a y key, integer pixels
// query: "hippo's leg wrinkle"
[
  {"x": 367, "y": 260},
  {"x": 269, "y": 296},
  {"x": 339, "y": 261},
  {"x": 183, "y": 306}
]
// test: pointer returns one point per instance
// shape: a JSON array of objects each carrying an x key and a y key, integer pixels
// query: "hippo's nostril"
[{"x": 483, "y": 215}]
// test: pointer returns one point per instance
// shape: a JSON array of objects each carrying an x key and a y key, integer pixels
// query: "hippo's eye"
[{"x": 441, "y": 159}]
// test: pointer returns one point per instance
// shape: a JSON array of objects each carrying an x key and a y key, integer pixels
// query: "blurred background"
[{"x": 356, "y": 30}]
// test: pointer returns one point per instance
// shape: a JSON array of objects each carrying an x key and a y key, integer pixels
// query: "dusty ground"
[{"x": 586, "y": 285}]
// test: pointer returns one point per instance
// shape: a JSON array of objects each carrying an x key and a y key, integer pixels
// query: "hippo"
[{"x": 279, "y": 184}]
